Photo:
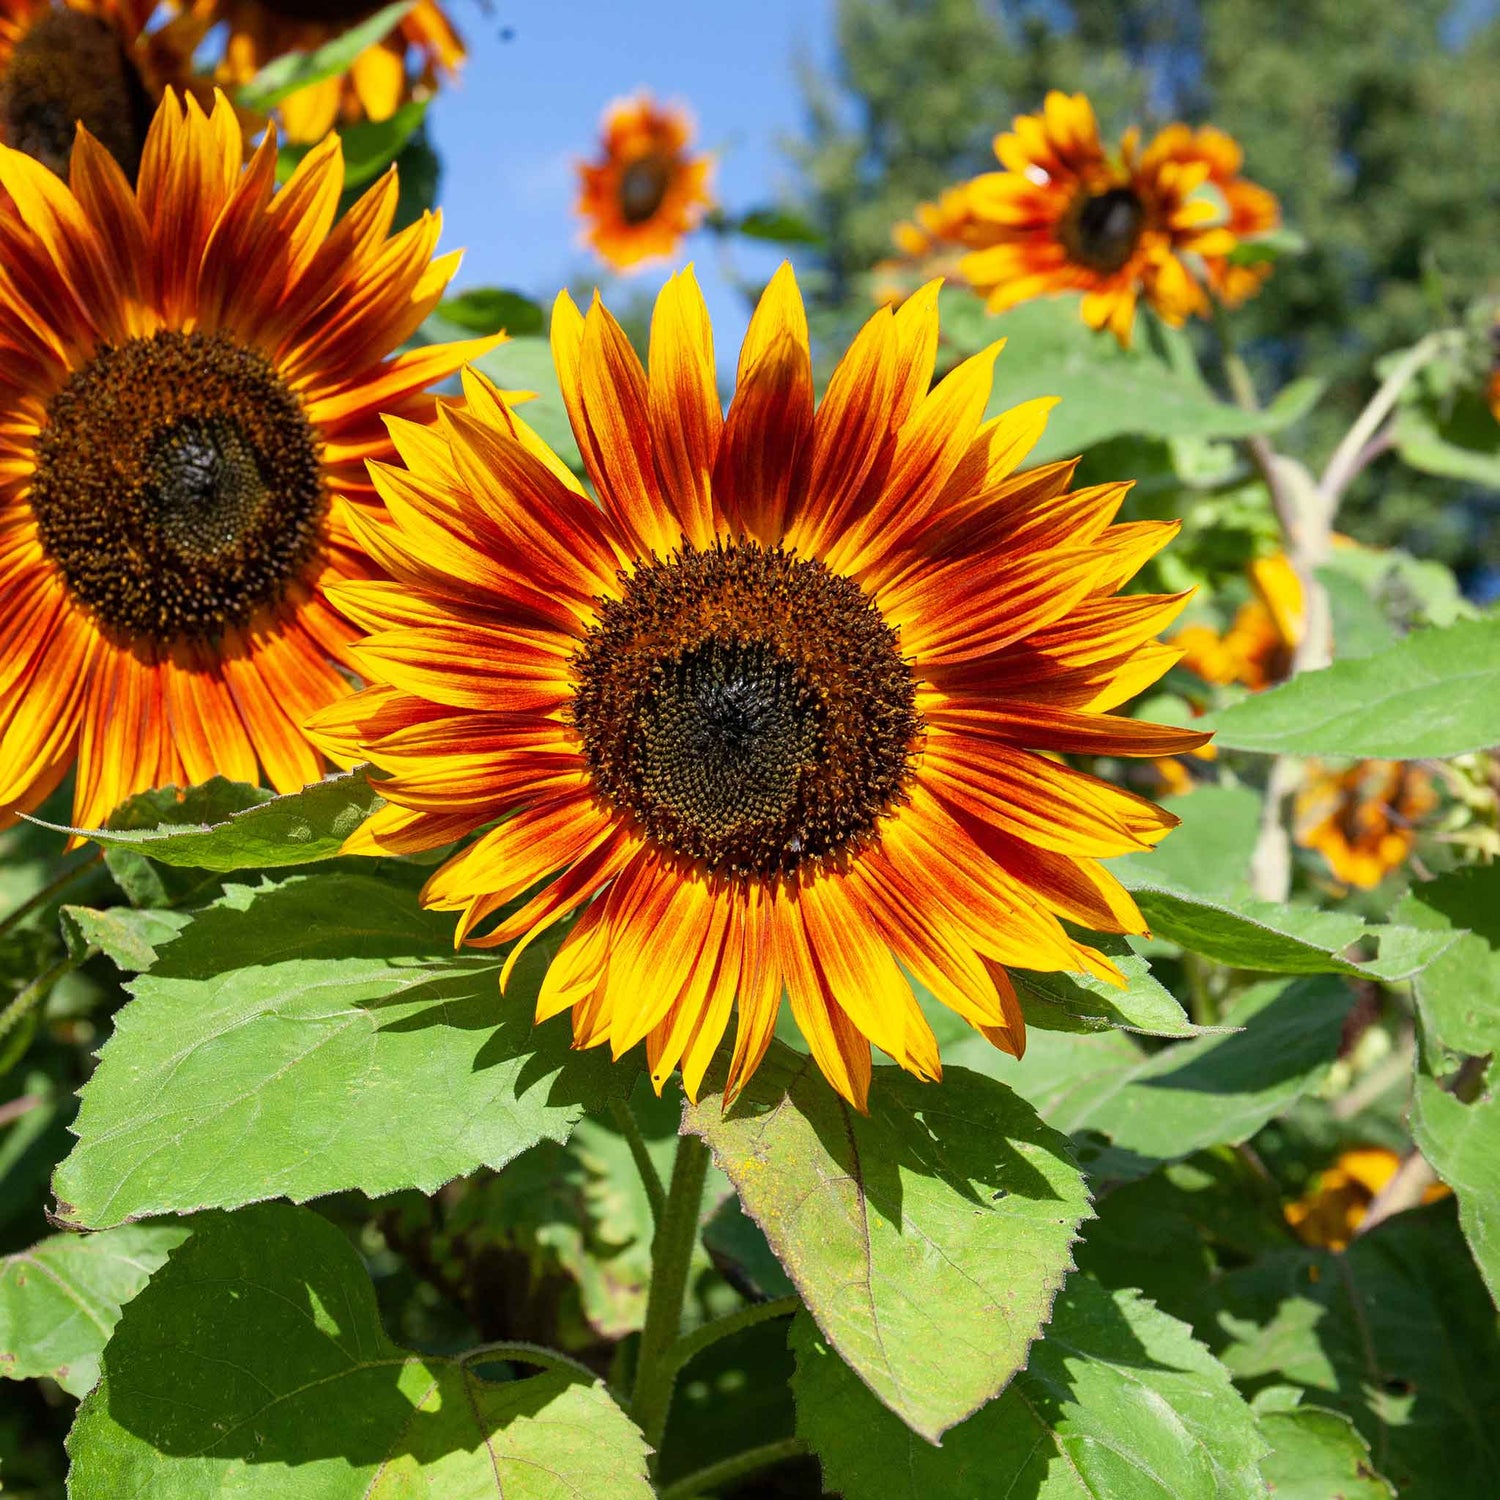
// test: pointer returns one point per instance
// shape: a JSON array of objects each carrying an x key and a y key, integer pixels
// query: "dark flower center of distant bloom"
[
  {"x": 749, "y": 708},
  {"x": 322, "y": 12},
  {"x": 1103, "y": 229},
  {"x": 68, "y": 67},
  {"x": 178, "y": 485},
  {"x": 643, "y": 185}
]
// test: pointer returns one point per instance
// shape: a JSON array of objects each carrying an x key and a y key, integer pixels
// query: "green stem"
[
  {"x": 37, "y": 991},
  {"x": 630, "y": 1128},
  {"x": 707, "y": 1480},
  {"x": 48, "y": 892},
  {"x": 736, "y": 1322},
  {"x": 518, "y": 1351},
  {"x": 671, "y": 1260}
]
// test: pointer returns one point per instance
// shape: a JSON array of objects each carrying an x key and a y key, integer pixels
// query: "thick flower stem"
[
  {"x": 671, "y": 1260},
  {"x": 630, "y": 1128}
]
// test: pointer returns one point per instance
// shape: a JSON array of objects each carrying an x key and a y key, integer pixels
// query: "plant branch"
[
  {"x": 715, "y": 1476},
  {"x": 671, "y": 1261},
  {"x": 630, "y": 1128},
  {"x": 736, "y": 1322},
  {"x": 37, "y": 991},
  {"x": 48, "y": 892},
  {"x": 518, "y": 1351}
]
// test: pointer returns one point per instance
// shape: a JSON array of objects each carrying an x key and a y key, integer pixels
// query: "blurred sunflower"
[
  {"x": 781, "y": 711},
  {"x": 1334, "y": 1207},
  {"x": 423, "y": 47},
  {"x": 1067, "y": 216},
  {"x": 1251, "y": 210},
  {"x": 647, "y": 190},
  {"x": 88, "y": 60},
  {"x": 1362, "y": 820},
  {"x": 1257, "y": 649},
  {"x": 928, "y": 244},
  {"x": 190, "y": 372}
]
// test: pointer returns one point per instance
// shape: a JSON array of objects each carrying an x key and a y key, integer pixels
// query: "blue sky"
[{"x": 527, "y": 108}]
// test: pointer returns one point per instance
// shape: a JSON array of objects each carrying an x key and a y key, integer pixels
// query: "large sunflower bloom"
[
  {"x": 647, "y": 190},
  {"x": 421, "y": 49},
  {"x": 88, "y": 60},
  {"x": 1067, "y": 216},
  {"x": 188, "y": 375},
  {"x": 1362, "y": 820},
  {"x": 779, "y": 714},
  {"x": 1250, "y": 210}
]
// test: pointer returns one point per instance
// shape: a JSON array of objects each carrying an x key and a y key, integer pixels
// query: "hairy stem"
[
  {"x": 671, "y": 1260},
  {"x": 518, "y": 1351},
  {"x": 51, "y": 891},
  {"x": 710, "y": 1480},
  {"x": 37, "y": 991},
  {"x": 736, "y": 1322}
]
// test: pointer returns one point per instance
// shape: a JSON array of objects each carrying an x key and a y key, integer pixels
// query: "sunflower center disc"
[
  {"x": 68, "y": 67},
  {"x": 643, "y": 185},
  {"x": 749, "y": 708},
  {"x": 1106, "y": 229},
  {"x": 178, "y": 485}
]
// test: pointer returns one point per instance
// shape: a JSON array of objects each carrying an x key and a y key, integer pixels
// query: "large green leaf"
[
  {"x": 1117, "y": 1402},
  {"x": 130, "y": 937},
  {"x": 1208, "y": 853},
  {"x": 1315, "y": 1454},
  {"x": 292, "y": 71},
  {"x": 488, "y": 309},
  {"x": 1461, "y": 1140},
  {"x": 60, "y": 1299},
  {"x": 311, "y": 1036},
  {"x": 222, "y": 826},
  {"x": 1081, "y": 1002},
  {"x": 1215, "y": 1090},
  {"x": 927, "y": 1238},
  {"x": 254, "y": 1364},
  {"x": 1435, "y": 693},
  {"x": 1397, "y": 1332},
  {"x": 1105, "y": 391}
]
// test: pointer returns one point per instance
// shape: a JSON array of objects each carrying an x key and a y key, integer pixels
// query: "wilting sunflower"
[
  {"x": 88, "y": 60},
  {"x": 779, "y": 714},
  {"x": 422, "y": 48},
  {"x": 1362, "y": 820},
  {"x": 188, "y": 374},
  {"x": 1257, "y": 649},
  {"x": 647, "y": 189},
  {"x": 1336, "y": 1204},
  {"x": 1067, "y": 216}
]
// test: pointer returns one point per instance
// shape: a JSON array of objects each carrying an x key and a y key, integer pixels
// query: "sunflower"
[
  {"x": 647, "y": 191},
  {"x": 422, "y": 48},
  {"x": 88, "y": 60},
  {"x": 929, "y": 244},
  {"x": 1257, "y": 649},
  {"x": 781, "y": 713},
  {"x": 190, "y": 373},
  {"x": 1331, "y": 1211},
  {"x": 1250, "y": 210},
  {"x": 1362, "y": 820},
  {"x": 1067, "y": 216}
]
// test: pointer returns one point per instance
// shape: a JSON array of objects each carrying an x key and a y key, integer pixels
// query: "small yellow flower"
[
  {"x": 1340, "y": 1197},
  {"x": 1362, "y": 820}
]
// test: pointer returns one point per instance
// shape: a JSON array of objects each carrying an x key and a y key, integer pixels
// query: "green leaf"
[
  {"x": 255, "y": 1364},
  {"x": 1456, "y": 437},
  {"x": 60, "y": 1299},
  {"x": 1208, "y": 853},
  {"x": 1315, "y": 1453},
  {"x": 1436, "y": 693},
  {"x": 312, "y": 1036},
  {"x": 927, "y": 1238},
  {"x": 487, "y": 310},
  {"x": 1397, "y": 1332},
  {"x": 1461, "y": 1141},
  {"x": 1268, "y": 247},
  {"x": 1080, "y": 1002},
  {"x": 1360, "y": 627},
  {"x": 222, "y": 826},
  {"x": 740, "y": 1253},
  {"x": 1117, "y": 1402},
  {"x": 1215, "y": 1090},
  {"x": 777, "y": 225},
  {"x": 370, "y": 146},
  {"x": 128, "y": 936},
  {"x": 1105, "y": 391},
  {"x": 292, "y": 71}
]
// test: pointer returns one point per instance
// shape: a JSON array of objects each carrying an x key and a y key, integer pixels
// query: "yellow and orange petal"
[
  {"x": 1330, "y": 1212},
  {"x": 1363, "y": 820},
  {"x": 1067, "y": 215},
  {"x": 778, "y": 715},
  {"x": 192, "y": 372},
  {"x": 90, "y": 60},
  {"x": 422, "y": 50},
  {"x": 647, "y": 189}
]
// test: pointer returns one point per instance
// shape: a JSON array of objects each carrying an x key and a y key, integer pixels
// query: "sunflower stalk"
[{"x": 671, "y": 1262}]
